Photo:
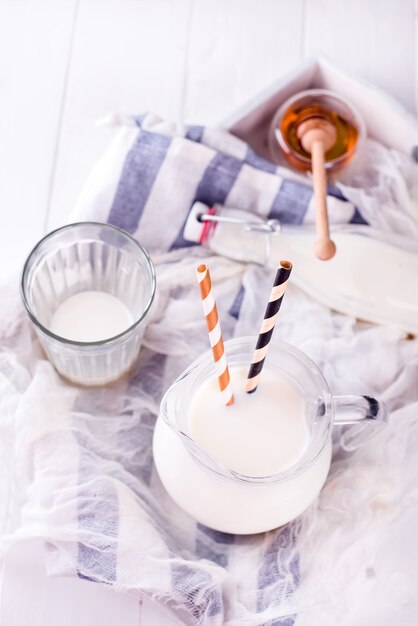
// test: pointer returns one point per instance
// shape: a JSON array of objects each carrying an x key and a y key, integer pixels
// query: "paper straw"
[
  {"x": 267, "y": 327},
  {"x": 215, "y": 336}
]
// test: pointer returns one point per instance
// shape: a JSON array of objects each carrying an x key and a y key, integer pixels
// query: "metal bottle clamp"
[{"x": 266, "y": 227}]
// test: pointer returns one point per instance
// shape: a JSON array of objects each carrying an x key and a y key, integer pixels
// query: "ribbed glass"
[{"x": 88, "y": 256}]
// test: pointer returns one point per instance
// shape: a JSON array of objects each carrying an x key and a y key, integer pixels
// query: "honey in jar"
[{"x": 318, "y": 106}]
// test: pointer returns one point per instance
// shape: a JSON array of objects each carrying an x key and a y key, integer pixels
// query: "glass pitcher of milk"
[{"x": 258, "y": 464}]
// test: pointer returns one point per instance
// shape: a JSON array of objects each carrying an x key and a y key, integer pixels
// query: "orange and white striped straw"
[{"x": 215, "y": 335}]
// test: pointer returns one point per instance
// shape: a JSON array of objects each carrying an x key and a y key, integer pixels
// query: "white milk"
[
  {"x": 261, "y": 434},
  {"x": 91, "y": 316}
]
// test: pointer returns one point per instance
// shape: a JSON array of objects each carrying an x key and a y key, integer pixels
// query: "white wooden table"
[{"x": 66, "y": 63}]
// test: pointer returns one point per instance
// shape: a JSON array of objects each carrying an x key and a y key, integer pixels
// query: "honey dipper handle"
[{"x": 324, "y": 247}]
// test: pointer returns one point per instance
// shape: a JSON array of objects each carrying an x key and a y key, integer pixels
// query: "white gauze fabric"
[{"x": 76, "y": 464}]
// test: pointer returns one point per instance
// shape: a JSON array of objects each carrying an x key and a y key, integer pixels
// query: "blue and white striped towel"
[
  {"x": 92, "y": 490},
  {"x": 156, "y": 170}
]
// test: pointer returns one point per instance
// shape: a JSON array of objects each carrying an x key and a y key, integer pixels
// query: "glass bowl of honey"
[{"x": 316, "y": 106}]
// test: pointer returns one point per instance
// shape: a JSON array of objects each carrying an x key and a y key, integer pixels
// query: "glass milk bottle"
[
  {"x": 233, "y": 502},
  {"x": 353, "y": 282}
]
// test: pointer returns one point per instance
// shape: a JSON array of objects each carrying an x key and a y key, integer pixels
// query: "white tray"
[{"x": 386, "y": 120}]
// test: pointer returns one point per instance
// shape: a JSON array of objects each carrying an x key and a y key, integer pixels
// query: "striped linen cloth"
[
  {"x": 91, "y": 489},
  {"x": 156, "y": 170}
]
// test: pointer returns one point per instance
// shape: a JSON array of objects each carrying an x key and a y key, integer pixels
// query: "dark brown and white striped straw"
[
  {"x": 215, "y": 336},
  {"x": 267, "y": 327}
]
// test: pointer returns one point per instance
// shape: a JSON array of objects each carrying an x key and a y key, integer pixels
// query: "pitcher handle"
[{"x": 363, "y": 414}]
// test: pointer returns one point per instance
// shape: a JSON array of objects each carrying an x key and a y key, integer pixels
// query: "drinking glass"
[{"x": 88, "y": 256}]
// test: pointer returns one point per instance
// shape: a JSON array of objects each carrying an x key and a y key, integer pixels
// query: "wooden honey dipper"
[{"x": 317, "y": 134}]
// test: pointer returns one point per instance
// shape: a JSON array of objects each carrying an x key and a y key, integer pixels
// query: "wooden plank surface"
[
  {"x": 236, "y": 49},
  {"x": 61, "y": 70},
  {"x": 35, "y": 39},
  {"x": 128, "y": 57},
  {"x": 375, "y": 39},
  {"x": 28, "y": 597}
]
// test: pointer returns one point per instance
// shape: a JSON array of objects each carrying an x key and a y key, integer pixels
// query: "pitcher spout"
[{"x": 169, "y": 408}]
